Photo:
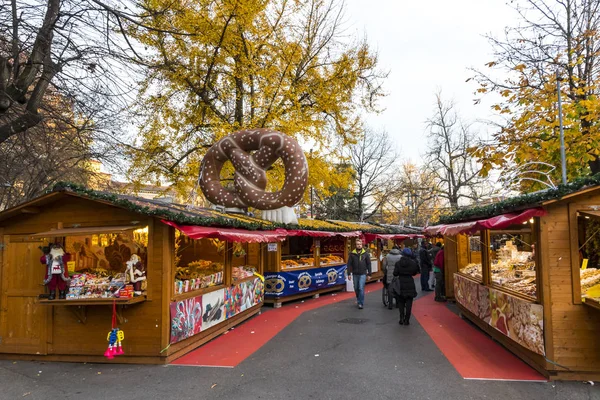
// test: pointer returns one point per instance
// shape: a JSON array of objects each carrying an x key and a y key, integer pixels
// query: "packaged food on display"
[
  {"x": 242, "y": 272},
  {"x": 199, "y": 274},
  {"x": 331, "y": 259},
  {"x": 473, "y": 270},
  {"x": 92, "y": 286},
  {"x": 590, "y": 278}
]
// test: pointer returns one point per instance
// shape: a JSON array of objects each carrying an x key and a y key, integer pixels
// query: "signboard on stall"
[
  {"x": 287, "y": 283},
  {"x": 272, "y": 247}
]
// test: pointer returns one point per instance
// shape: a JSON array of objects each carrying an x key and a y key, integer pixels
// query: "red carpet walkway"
[
  {"x": 472, "y": 353},
  {"x": 230, "y": 349}
]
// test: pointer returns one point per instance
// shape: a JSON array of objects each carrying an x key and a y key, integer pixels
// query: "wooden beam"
[{"x": 30, "y": 210}]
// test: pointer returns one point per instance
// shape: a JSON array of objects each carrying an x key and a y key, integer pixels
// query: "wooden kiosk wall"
[
  {"x": 57, "y": 332},
  {"x": 572, "y": 328}
]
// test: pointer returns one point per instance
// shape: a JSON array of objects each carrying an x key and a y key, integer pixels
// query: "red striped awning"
[
  {"x": 230, "y": 234},
  {"x": 304, "y": 232},
  {"x": 498, "y": 222},
  {"x": 369, "y": 237}
]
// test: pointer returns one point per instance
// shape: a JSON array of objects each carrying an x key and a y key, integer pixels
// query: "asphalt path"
[{"x": 334, "y": 352}]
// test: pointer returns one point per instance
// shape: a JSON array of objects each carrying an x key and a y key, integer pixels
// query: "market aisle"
[
  {"x": 473, "y": 353},
  {"x": 333, "y": 352},
  {"x": 230, "y": 349}
]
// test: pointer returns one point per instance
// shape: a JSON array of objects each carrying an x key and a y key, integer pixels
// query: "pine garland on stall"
[{"x": 520, "y": 202}]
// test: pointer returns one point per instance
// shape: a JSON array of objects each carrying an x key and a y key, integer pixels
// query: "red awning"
[
  {"x": 230, "y": 234},
  {"x": 498, "y": 222},
  {"x": 369, "y": 237},
  {"x": 506, "y": 220},
  {"x": 303, "y": 232}
]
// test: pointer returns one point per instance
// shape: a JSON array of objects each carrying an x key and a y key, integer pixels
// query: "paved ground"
[{"x": 315, "y": 357}]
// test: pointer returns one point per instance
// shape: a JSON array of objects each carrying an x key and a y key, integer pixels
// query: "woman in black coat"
[{"x": 404, "y": 284}]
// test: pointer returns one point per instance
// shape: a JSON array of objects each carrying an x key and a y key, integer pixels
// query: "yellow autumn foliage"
[{"x": 249, "y": 64}]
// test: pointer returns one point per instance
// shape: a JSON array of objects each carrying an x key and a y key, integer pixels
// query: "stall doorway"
[{"x": 22, "y": 318}]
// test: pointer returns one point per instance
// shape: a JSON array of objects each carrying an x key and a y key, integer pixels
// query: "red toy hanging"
[{"x": 114, "y": 337}]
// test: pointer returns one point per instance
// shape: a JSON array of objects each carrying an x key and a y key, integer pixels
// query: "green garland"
[
  {"x": 181, "y": 218},
  {"x": 520, "y": 202}
]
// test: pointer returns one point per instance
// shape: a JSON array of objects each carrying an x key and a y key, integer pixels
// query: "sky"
[{"x": 428, "y": 46}]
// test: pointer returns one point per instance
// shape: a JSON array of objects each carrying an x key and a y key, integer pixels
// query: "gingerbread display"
[{"x": 252, "y": 152}]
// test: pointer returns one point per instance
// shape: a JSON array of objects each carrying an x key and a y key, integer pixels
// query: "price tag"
[
  {"x": 272, "y": 247},
  {"x": 584, "y": 264},
  {"x": 71, "y": 266}
]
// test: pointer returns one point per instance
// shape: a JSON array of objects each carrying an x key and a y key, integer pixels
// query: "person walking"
[
  {"x": 359, "y": 267},
  {"x": 438, "y": 270},
  {"x": 432, "y": 254},
  {"x": 426, "y": 266},
  {"x": 389, "y": 263},
  {"x": 404, "y": 284}
]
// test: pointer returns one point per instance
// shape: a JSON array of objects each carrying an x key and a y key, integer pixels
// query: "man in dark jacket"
[
  {"x": 438, "y": 269},
  {"x": 359, "y": 266},
  {"x": 426, "y": 266},
  {"x": 404, "y": 287},
  {"x": 389, "y": 262}
]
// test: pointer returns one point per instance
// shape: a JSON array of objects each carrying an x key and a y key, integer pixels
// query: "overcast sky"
[{"x": 428, "y": 45}]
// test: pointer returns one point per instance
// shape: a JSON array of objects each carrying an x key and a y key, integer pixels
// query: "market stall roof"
[
  {"x": 361, "y": 226},
  {"x": 577, "y": 187},
  {"x": 498, "y": 222},
  {"x": 369, "y": 237},
  {"x": 184, "y": 215},
  {"x": 232, "y": 235},
  {"x": 303, "y": 232},
  {"x": 90, "y": 230}
]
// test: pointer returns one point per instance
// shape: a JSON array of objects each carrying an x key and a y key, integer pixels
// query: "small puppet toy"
[{"x": 57, "y": 273}]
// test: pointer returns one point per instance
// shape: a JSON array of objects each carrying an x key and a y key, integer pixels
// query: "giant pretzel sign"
[{"x": 252, "y": 152}]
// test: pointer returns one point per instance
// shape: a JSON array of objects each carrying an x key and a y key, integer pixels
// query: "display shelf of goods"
[
  {"x": 197, "y": 275},
  {"x": 514, "y": 270},
  {"x": 473, "y": 270},
  {"x": 242, "y": 272},
  {"x": 101, "y": 286},
  {"x": 590, "y": 284},
  {"x": 95, "y": 302},
  {"x": 330, "y": 259},
  {"x": 297, "y": 261}
]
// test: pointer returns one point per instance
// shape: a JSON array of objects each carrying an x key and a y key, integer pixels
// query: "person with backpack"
[
  {"x": 403, "y": 285},
  {"x": 426, "y": 267},
  {"x": 389, "y": 262}
]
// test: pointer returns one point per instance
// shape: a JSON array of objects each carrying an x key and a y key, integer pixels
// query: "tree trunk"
[{"x": 594, "y": 166}]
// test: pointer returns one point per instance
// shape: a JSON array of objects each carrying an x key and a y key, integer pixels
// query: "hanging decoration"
[
  {"x": 115, "y": 337},
  {"x": 252, "y": 152}
]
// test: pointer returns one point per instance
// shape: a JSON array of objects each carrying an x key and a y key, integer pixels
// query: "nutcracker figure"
[
  {"x": 57, "y": 273},
  {"x": 136, "y": 273}
]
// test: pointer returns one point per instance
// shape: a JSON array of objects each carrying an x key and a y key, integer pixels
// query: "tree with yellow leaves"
[
  {"x": 279, "y": 64},
  {"x": 553, "y": 35},
  {"x": 416, "y": 199}
]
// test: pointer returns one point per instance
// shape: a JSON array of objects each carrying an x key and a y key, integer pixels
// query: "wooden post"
[
  {"x": 228, "y": 267},
  {"x": 485, "y": 257},
  {"x": 166, "y": 234},
  {"x": 574, "y": 251}
]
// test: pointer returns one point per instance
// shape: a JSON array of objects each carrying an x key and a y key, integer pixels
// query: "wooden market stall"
[
  {"x": 310, "y": 261},
  {"x": 527, "y": 272},
  {"x": 199, "y": 280},
  {"x": 313, "y": 258}
]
